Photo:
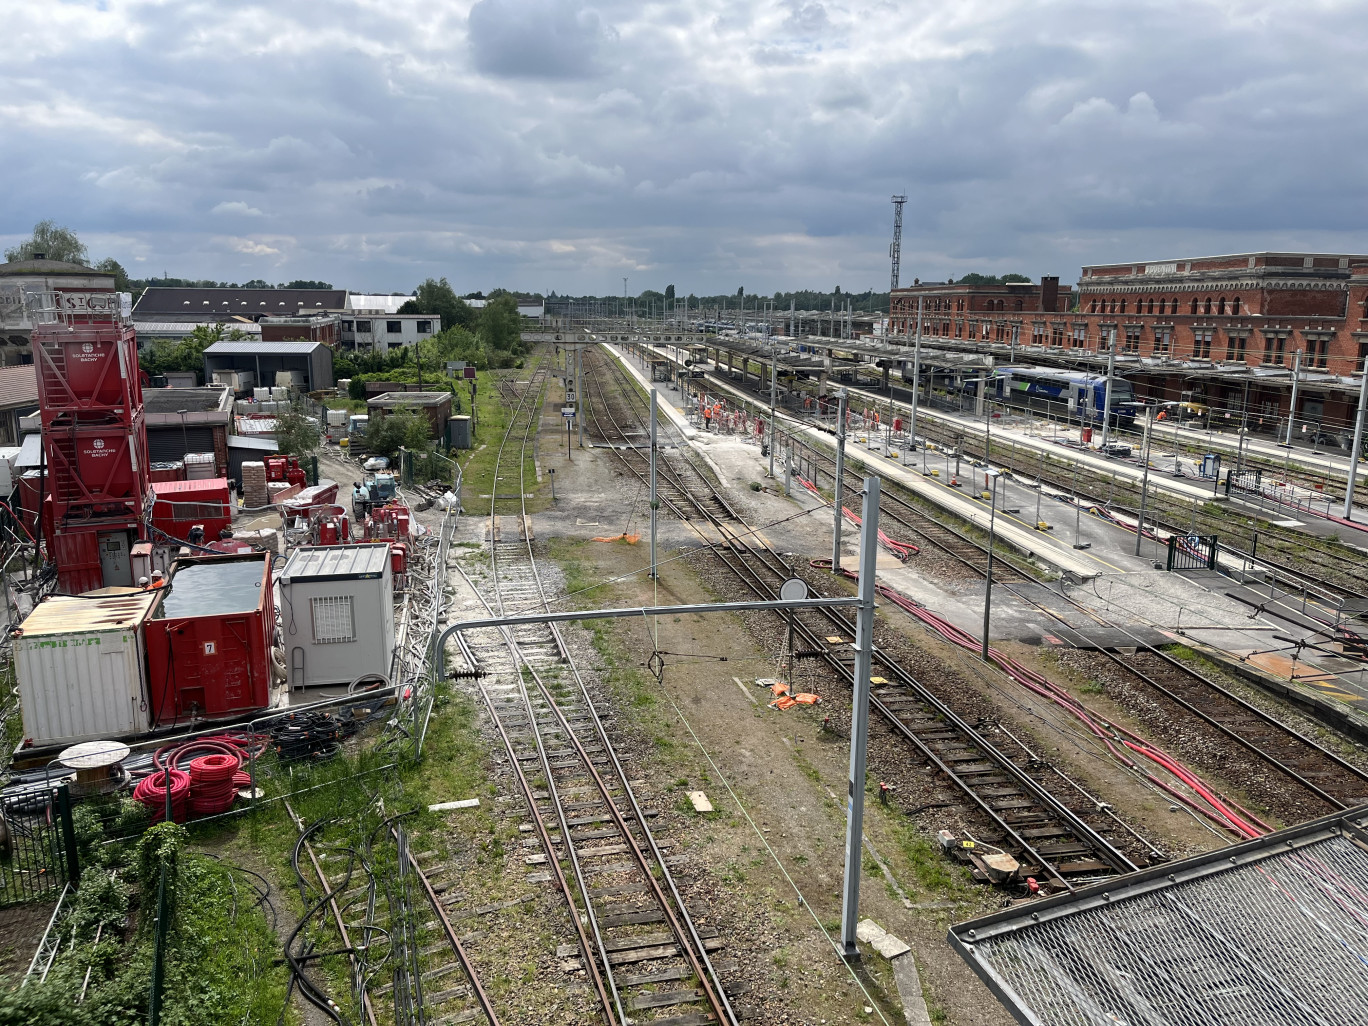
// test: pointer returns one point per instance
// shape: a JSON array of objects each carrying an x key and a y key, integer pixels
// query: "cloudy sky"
[{"x": 560, "y": 144}]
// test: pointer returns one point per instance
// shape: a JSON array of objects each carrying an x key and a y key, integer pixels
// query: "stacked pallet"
[{"x": 254, "y": 494}]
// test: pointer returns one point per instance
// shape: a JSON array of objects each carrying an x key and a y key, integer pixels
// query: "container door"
[{"x": 115, "y": 559}]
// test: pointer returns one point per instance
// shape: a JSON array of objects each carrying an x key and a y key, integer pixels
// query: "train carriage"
[{"x": 1073, "y": 394}]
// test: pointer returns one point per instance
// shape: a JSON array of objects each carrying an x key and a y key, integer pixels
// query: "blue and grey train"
[{"x": 1073, "y": 394}]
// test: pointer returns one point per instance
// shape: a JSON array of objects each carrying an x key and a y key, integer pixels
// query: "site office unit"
[
  {"x": 81, "y": 671},
  {"x": 210, "y": 639},
  {"x": 337, "y": 613}
]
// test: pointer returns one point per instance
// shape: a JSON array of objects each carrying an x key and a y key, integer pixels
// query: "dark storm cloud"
[{"x": 562, "y": 144}]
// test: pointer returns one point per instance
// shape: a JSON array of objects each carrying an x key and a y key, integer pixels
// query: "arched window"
[
  {"x": 1194, "y": 307},
  {"x": 1206, "y": 308},
  {"x": 1018, "y": 305},
  {"x": 1235, "y": 307},
  {"x": 1149, "y": 307},
  {"x": 1123, "y": 306},
  {"x": 1220, "y": 307},
  {"x": 1094, "y": 308}
]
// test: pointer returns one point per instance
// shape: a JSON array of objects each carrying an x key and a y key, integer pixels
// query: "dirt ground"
[{"x": 767, "y": 866}]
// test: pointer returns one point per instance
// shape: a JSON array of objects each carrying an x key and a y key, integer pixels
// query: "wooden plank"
[
  {"x": 663, "y": 999},
  {"x": 633, "y": 918}
]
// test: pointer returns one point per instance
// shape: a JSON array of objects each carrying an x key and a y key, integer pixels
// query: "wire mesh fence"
[{"x": 38, "y": 853}]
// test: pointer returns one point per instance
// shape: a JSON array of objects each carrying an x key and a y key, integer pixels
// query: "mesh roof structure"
[{"x": 1266, "y": 933}]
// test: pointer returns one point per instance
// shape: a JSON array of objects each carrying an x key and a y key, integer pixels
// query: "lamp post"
[{"x": 1144, "y": 480}]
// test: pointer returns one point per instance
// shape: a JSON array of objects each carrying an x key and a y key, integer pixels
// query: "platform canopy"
[{"x": 1269, "y": 932}]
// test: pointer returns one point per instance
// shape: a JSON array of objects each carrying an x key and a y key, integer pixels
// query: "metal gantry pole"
[
  {"x": 1144, "y": 480},
  {"x": 774, "y": 389},
  {"x": 841, "y": 398},
  {"x": 859, "y": 718},
  {"x": 579, "y": 392},
  {"x": 655, "y": 502},
  {"x": 1107, "y": 389},
  {"x": 1357, "y": 446},
  {"x": 916, "y": 376},
  {"x": 1296, "y": 385},
  {"x": 988, "y": 581}
]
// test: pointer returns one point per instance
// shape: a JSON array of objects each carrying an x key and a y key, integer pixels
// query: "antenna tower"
[{"x": 895, "y": 250}]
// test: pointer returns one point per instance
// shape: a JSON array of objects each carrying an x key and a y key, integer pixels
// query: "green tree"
[
  {"x": 403, "y": 426},
  {"x": 186, "y": 354},
  {"x": 296, "y": 434},
  {"x": 302, "y": 283},
  {"x": 669, "y": 293},
  {"x": 974, "y": 278},
  {"x": 53, "y": 241},
  {"x": 501, "y": 326},
  {"x": 111, "y": 266},
  {"x": 435, "y": 296}
]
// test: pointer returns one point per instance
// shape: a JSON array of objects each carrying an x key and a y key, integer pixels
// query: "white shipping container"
[
  {"x": 81, "y": 669},
  {"x": 9, "y": 472}
]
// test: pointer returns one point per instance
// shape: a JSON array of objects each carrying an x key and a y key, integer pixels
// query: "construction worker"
[{"x": 158, "y": 581}]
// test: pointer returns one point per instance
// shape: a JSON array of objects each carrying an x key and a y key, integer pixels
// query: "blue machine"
[{"x": 1073, "y": 394}]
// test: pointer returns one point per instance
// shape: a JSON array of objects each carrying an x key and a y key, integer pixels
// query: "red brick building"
[
  {"x": 975, "y": 312},
  {"x": 1222, "y": 330}
]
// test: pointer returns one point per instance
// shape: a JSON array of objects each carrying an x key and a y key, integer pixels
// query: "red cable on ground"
[
  {"x": 1212, "y": 805},
  {"x": 903, "y": 550},
  {"x": 151, "y": 792}
]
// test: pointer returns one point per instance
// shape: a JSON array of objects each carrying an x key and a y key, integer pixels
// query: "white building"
[{"x": 378, "y": 330}]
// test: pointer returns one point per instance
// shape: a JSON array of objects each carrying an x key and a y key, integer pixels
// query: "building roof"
[
  {"x": 186, "y": 327},
  {"x": 392, "y": 399},
  {"x": 61, "y": 614},
  {"x": 337, "y": 562},
  {"x": 30, "y": 267},
  {"x": 173, "y": 400},
  {"x": 367, "y": 304},
  {"x": 161, "y": 303},
  {"x": 249, "y": 348},
  {"x": 18, "y": 386}
]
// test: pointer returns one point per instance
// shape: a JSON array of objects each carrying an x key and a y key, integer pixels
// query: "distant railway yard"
[{"x": 622, "y": 771}]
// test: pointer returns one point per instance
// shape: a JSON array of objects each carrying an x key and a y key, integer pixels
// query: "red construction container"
[
  {"x": 77, "y": 554},
  {"x": 167, "y": 472},
  {"x": 102, "y": 466},
  {"x": 209, "y": 640},
  {"x": 178, "y": 506},
  {"x": 87, "y": 368},
  {"x": 30, "y": 495}
]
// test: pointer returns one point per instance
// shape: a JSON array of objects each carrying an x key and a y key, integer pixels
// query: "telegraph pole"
[
  {"x": 988, "y": 580},
  {"x": 841, "y": 398},
  {"x": 579, "y": 392},
  {"x": 859, "y": 718}
]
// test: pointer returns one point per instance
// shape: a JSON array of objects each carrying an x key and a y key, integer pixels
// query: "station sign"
[{"x": 567, "y": 412}]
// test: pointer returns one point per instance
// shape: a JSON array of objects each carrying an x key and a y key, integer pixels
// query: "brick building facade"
[{"x": 1222, "y": 330}]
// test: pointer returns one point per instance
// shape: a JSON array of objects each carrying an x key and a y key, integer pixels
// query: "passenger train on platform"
[{"x": 1075, "y": 395}]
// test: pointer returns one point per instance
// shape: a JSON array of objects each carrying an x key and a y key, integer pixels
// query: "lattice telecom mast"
[{"x": 895, "y": 250}]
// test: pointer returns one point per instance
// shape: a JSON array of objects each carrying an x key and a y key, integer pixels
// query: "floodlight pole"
[
  {"x": 988, "y": 578},
  {"x": 841, "y": 397},
  {"x": 1292, "y": 409},
  {"x": 859, "y": 718},
  {"x": 655, "y": 502},
  {"x": 579, "y": 392}
]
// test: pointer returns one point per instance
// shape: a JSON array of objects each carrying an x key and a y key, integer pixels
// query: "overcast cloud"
[{"x": 556, "y": 144}]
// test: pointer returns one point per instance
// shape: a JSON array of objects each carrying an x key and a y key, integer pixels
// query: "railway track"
[
  {"x": 1296, "y": 557},
  {"x": 1287, "y": 771},
  {"x": 644, "y": 956},
  {"x": 427, "y": 976},
  {"x": 1064, "y": 841}
]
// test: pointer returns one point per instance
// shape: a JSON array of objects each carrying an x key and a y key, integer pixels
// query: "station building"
[{"x": 1229, "y": 332}]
